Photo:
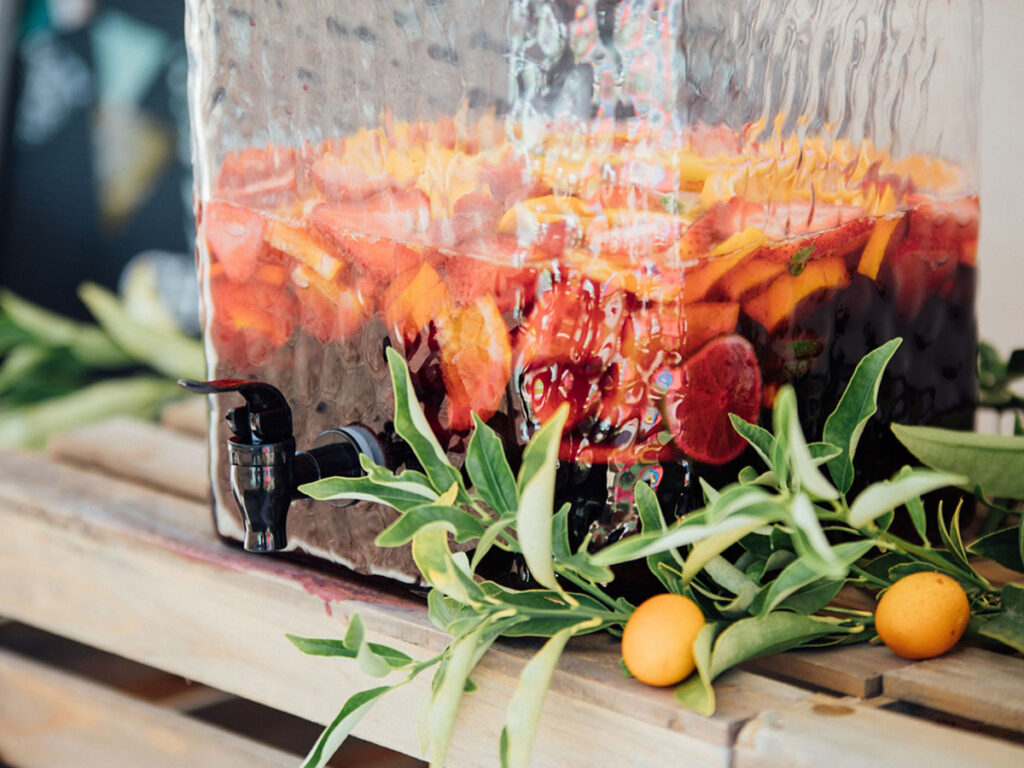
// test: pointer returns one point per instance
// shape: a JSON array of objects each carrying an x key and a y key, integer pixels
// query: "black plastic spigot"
[{"x": 266, "y": 470}]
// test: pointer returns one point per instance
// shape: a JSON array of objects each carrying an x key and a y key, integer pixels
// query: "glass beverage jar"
[{"x": 656, "y": 211}]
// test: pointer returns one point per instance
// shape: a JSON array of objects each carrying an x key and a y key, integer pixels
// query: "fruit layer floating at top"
[{"x": 616, "y": 269}]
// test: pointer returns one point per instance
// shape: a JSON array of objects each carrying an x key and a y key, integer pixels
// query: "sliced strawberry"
[
  {"x": 469, "y": 279},
  {"x": 390, "y": 214},
  {"x": 722, "y": 378},
  {"x": 307, "y": 247},
  {"x": 257, "y": 175},
  {"x": 476, "y": 360},
  {"x": 250, "y": 321},
  {"x": 337, "y": 181},
  {"x": 839, "y": 241},
  {"x": 475, "y": 214},
  {"x": 234, "y": 236},
  {"x": 327, "y": 311}
]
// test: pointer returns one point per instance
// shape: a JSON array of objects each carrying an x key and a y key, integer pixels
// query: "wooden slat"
[
  {"x": 968, "y": 682},
  {"x": 843, "y": 733},
  {"x": 140, "y": 451},
  {"x": 854, "y": 670},
  {"x": 189, "y": 415},
  {"x": 150, "y": 582},
  {"x": 52, "y": 718}
]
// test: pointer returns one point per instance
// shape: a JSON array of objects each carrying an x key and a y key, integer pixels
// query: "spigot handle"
[{"x": 266, "y": 417}]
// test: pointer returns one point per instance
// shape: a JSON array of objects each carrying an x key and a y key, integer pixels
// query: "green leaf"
[
  {"x": 1008, "y": 625},
  {"x": 800, "y": 573},
  {"x": 696, "y": 692},
  {"x": 917, "y": 514},
  {"x": 805, "y": 470},
  {"x": 412, "y": 426},
  {"x": 316, "y": 646},
  {"x": 879, "y": 498},
  {"x": 450, "y": 615},
  {"x": 434, "y": 559},
  {"x": 31, "y": 425},
  {"x": 758, "y": 437},
  {"x": 952, "y": 538},
  {"x": 335, "y": 734},
  {"x": 86, "y": 342},
  {"x": 536, "y": 499},
  {"x": 464, "y": 653},
  {"x": 527, "y": 703},
  {"x": 767, "y": 634},
  {"x": 845, "y": 425},
  {"x": 822, "y": 453},
  {"x": 489, "y": 470},
  {"x": 163, "y": 349},
  {"x": 642, "y": 545},
  {"x": 995, "y": 462},
  {"x": 664, "y": 565},
  {"x": 812, "y": 537},
  {"x": 488, "y": 539},
  {"x": 812, "y": 598},
  {"x": 464, "y": 525},
  {"x": 403, "y": 496},
  {"x": 1002, "y": 547}
]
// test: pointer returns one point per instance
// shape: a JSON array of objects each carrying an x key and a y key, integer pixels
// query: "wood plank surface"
[
  {"x": 128, "y": 448},
  {"x": 53, "y": 718},
  {"x": 855, "y": 670},
  {"x": 824, "y": 732},
  {"x": 190, "y": 415},
  {"x": 137, "y": 572},
  {"x": 970, "y": 682}
]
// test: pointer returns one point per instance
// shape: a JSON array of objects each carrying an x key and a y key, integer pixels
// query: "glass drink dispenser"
[{"x": 656, "y": 211}]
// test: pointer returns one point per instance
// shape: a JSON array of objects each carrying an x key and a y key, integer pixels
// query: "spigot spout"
[{"x": 262, "y": 484}]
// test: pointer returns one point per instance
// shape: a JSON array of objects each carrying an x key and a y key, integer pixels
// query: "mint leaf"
[
  {"x": 845, "y": 425},
  {"x": 799, "y": 260}
]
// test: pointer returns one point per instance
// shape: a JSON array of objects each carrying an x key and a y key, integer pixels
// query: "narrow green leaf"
[
  {"x": 355, "y": 634},
  {"x": 758, "y": 437},
  {"x": 995, "y": 462},
  {"x": 163, "y": 349},
  {"x": 696, "y": 692},
  {"x": 641, "y": 545},
  {"x": 536, "y": 499},
  {"x": 335, "y": 734},
  {"x": 527, "y": 703},
  {"x": 434, "y": 559},
  {"x": 916, "y": 509},
  {"x": 464, "y": 525},
  {"x": 489, "y": 470},
  {"x": 812, "y": 598},
  {"x": 822, "y": 453},
  {"x": 952, "y": 539},
  {"x": 31, "y": 425},
  {"x": 767, "y": 634},
  {"x": 801, "y": 573},
  {"x": 879, "y": 498},
  {"x": 371, "y": 663},
  {"x": 845, "y": 425},
  {"x": 713, "y": 545},
  {"x": 398, "y": 495},
  {"x": 1008, "y": 626},
  {"x": 315, "y": 646},
  {"x": 450, "y": 615},
  {"x": 805, "y": 470},
  {"x": 464, "y": 653},
  {"x": 488, "y": 539},
  {"x": 412, "y": 426},
  {"x": 805, "y": 520},
  {"x": 86, "y": 342}
]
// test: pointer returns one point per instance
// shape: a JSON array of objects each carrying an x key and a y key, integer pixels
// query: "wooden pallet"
[{"x": 108, "y": 541}]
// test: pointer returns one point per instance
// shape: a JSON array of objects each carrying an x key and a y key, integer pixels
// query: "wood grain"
[
  {"x": 137, "y": 450},
  {"x": 854, "y": 670},
  {"x": 52, "y": 718},
  {"x": 822, "y": 731},
  {"x": 136, "y": 572},
  {"x": 970, "y": 682},
  {"x": 189, "y": 415}
]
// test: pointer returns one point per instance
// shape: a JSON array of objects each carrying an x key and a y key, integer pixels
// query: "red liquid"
[{"x": 651, "y": 312}]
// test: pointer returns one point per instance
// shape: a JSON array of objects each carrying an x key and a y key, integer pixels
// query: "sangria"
[{"x": 655, "y": 279}]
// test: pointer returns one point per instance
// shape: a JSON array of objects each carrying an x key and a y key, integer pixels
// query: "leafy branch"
[{"x": 764, "y": 558}]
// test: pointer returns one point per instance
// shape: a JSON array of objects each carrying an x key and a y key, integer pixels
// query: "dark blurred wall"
[{"x": 96, "y": 160}]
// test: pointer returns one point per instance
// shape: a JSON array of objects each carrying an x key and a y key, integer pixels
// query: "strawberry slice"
[
  {"x": 257, "y": 175},
  {"x": 327, "y": 311},
  {"x": 475, "y": 214},
  {"x": 392, "y": 214},
  {"x": 234, "y": 236},
  {"x": 337, "y": 181},
  {"x": 722, "y": 378},
  {"x": 476, "y": 360},
  {"x": 250, "y": 321}
]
